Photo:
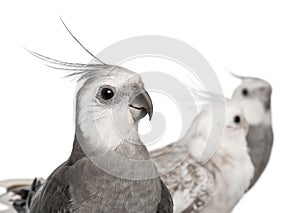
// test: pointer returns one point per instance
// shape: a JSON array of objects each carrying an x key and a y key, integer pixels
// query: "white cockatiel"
[
  {"x": 254, "y": 96},
  {"x": 214, "y": 186}
]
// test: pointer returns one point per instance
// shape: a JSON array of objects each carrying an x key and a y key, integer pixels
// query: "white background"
[{"x": 254, "y": 38}]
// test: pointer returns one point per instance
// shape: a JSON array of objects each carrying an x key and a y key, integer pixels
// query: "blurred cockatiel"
[
  {"x": 254, "y": 96},
  {"x": 109, "y": 169},
  {"x": 208, "y": 185}
]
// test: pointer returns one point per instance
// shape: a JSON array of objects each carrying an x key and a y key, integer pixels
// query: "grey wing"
[
  {"x": 166, "y": 203},
  {"x": 54, "y": 195},
  {"x": 260, "y": 143}
]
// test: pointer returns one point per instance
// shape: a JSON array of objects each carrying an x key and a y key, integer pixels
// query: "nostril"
[{"x": 237, "y": 119}]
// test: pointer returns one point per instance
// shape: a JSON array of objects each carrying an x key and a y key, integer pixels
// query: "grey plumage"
[
  {"x": 104, "y": 172},
  {"x": 96, "y": 191},
  {"x": 260, "y": 143},
  {"x": 254, "y": 96}
]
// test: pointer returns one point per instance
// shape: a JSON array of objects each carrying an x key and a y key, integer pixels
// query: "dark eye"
[
  {"x": 245, "y": 92},
  {"x": 106, "y": 93},
  {"x": 237, "y": 119}
]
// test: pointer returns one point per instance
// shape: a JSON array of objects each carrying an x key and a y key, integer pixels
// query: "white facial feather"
[
  {"x": 107, "y": 124},
  {"x": 200, "y": 132},
  {"x": 253, "y": 95}
]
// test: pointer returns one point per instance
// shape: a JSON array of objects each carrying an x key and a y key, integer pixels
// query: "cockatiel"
[
  {"x": 109, "y": 169},
  {"x": 254, "y": 95},
  {"x": 213, "y": 186}
]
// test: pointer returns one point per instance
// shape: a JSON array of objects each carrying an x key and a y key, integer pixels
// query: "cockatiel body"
[
  {"x": 109, "y": 169},
  {"x": 213, "y": 186},
  {"x": 254, "y": 96}
]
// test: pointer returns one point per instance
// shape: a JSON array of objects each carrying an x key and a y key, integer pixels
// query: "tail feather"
[
  {"x": 10, "y": 210},
  {"x": 14, "y": 183},
  {"x": 7, "y": 201},
  {"x": 18, "y": 194}
]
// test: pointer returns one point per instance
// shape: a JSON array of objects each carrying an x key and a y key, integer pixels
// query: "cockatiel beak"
[
  {"x": 246, "y": 127},
  {"x": 140, "y": 105},
  {"x": 267, "y": 104}
]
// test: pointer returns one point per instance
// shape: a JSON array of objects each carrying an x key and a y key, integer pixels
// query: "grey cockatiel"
[
  {"x": 208, "y": 185},
  {"x": 254, "y": 95},
  {"x": 109, "y": 168}
]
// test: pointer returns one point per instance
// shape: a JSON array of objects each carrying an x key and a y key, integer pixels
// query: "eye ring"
[{"x": 105, "y": 93}]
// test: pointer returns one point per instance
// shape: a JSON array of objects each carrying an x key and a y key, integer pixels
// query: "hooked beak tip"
[{"x": 143, "y": 103}]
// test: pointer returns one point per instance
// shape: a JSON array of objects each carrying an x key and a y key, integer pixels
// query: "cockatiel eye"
[
  {"x": 105, "y": 93},
  {"x": 237, "y": 119},
  {"x": 245, "y": 92}
]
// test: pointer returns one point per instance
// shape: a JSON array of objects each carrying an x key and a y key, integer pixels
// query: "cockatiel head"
[
  {"x": 109, "y": 104},
  {"x": 232, "y": 129},
  {"x": 255, "y": 96},
  {"x": 235, "y": 122}
]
